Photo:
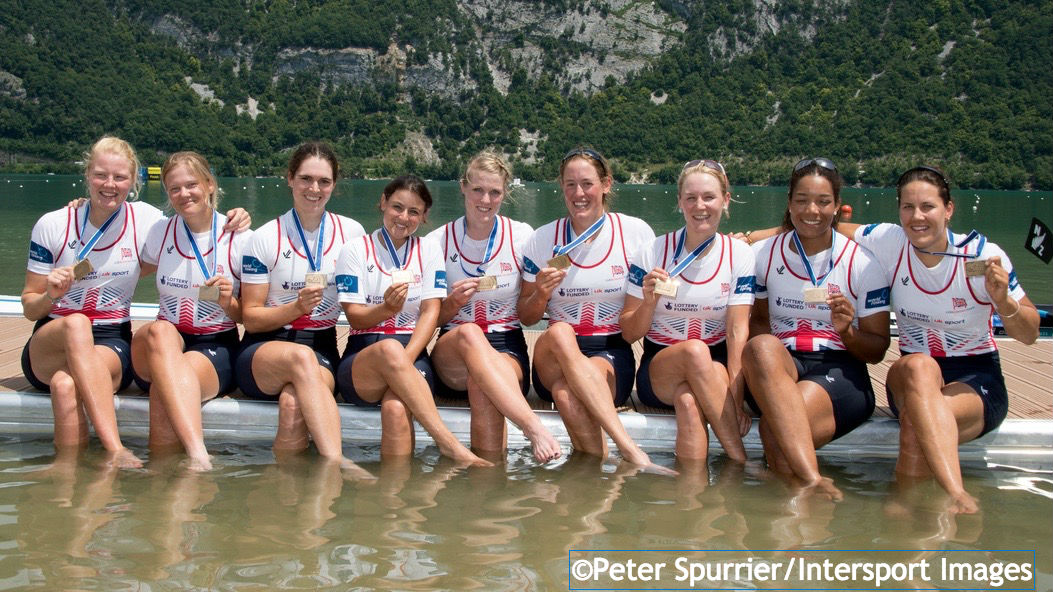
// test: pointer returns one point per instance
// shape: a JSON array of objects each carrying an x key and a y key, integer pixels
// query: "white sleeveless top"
[
  {"x": 939, "y": 311},
  {"x": 782, "y": 278},
  {"x": 493, "y": 310}
]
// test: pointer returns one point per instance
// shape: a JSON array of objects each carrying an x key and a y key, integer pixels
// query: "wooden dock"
[{"x": 1028, "y": 373}]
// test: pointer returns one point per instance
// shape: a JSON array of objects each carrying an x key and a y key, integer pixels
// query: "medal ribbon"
[
  {"x": 487, "y": 255},
  {"x": 390, "y": 246},
  {"x": 950, "y": 242},
  {"x": 808, "y": 266},
  {"x": 83, "y": 252},
  {"x": 208, "y": 271},
  {"x": 682, "y": 265},
  {"x": 571, "y": 245},
  {"x": 315, "y": 262}
]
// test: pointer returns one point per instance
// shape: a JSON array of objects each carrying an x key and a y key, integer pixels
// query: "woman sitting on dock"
[
  {"x": 187, "y": 355},
  {"x": 391, "y": 284},
  {"x": 575, "y": 269},
  {"x": 83, "y": 267},
  {"x": 947, "y": 388},
  {"x": 690, "y": 293},
  {"x": 289, "y": 307},
  {"x": 821, "y": 313},
  {"x": 481, "y": 353}
]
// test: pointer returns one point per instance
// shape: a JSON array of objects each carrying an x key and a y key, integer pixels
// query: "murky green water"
[
  {"x": 1004, "y": 216},
  {"x": 296, "y": 524}
]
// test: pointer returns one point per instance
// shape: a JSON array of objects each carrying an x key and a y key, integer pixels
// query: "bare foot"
[
  {"x": 825, "y": 486},
  {"x": 199, "y": 465},
  {"x": 464, "y": 457},
  {"x": 544, "y": 445},
  {"x": 353, "y": 472},
  {"x": 123, "y": 458},
  {"x": 638, "y": 457},
  {"x": 963, "y": 503}
]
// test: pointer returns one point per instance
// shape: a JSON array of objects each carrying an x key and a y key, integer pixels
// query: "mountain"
[{"x": 419, "y": 86}]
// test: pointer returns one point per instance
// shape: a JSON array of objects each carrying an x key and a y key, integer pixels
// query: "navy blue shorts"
[
  {"x": 221, "y": 349},
  {"x": 322, "y": 341},
  {"x": 116, "y": 336},
  {"x": 846, "y": 381},
  {"x": 718, "y": 352},
  {"x": 357, "y": 343},
  {"x": 612, "y": 348},
  {"x": 505, "y": 342},
  {"x": 983, "y": 374}
]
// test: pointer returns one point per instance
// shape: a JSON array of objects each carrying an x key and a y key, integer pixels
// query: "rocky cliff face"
[{"x": 580, "y": 47}]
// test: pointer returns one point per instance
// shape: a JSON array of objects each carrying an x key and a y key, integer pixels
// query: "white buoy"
[{"x": 868, "y": 202}]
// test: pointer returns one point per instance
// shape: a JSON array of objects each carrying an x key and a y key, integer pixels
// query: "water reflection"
[{"x": 260, "y": 522}]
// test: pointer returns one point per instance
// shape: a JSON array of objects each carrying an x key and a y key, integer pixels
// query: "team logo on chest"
[
  {"x": 725, "y": 288},
  {"x": 958, "y": 303},
  {"x": 126, "y": 254},
  {"x": 617, "y": 271},
  {"x": 506, "y": 267}
]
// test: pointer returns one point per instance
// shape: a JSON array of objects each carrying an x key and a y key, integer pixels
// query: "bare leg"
[
  {"x": 798, "y": 415},
  {"x": 689, "y": 363},
  {"x": 71, "y": 425},
  {"x": 179, "y": 381},
  {"x": 489, "y": 434},
  {"x": 385, "y": 366},
  {"x": 397, "y": 436},
  {"x": 934, "y": 419},
  {"x": 292, "y": 435},
  {"x": 293, "y": 369},
  {"x": 67, "y": 345},
  {"x": 466, "y": 352},
  {"x": 692, "y": 437},
  {"x": 585, "y": 433},
  {"x": 557, "y": 354}
]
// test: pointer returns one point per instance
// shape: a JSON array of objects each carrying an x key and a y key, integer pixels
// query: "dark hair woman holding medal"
[
  {"x": 187, "y": 354},
  {"x": 947, "y": 388},
  {"x": 690, "y": 293},
  {"x": 575, "y": 269},
  {"x": 289, "y": 307},
  {"x": 391, "y": 284},
  {"x": 820, "y": 315},
  {"x": 481, "y": 353}
]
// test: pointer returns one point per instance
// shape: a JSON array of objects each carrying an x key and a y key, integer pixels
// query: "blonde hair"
[
  {"x": 488, "y": 161},
  {"x": 706, "y": 169},
  {"x": 198, "y": 167},
  {"x": 115, "y": 145}
]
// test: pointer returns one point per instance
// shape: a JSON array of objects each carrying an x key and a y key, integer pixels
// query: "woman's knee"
[
  {"x": 395, "y": 417},
  {"x": 76, "y": 331},
  {"x": 159, "y": 335},
  {"x": 469, "y": 338}
]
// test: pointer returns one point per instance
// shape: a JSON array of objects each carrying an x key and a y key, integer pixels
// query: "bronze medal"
[
  {"x": 976, "y": 268},
  {"x": 666, "y": 287},
  {"x": 487, "y": 282},
  {"x": 316, "y": 279},
  {"x": 815, "y": 295},
  {"x": 559, "y": 262},
  {"x": 208, "y": 293},
  {"x": 82, "y": 269}
]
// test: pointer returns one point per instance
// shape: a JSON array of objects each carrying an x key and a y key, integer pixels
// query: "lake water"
[
  {"x": 1004, "y": 216},
  {"x": 257, "y": 524}
]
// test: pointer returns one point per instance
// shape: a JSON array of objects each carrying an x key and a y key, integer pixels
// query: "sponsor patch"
[
  {"x": 530, "y": 267},
  {"x": 250, "y": 264},
  {"x": 746, "y": 285},
  {"x": 878, "y": 298},
  {"x": 636, "y": 275},
  {"x": 40, "y": 253},
  {"x": 440, "y": 279},
  {"x": 347, "y": 284}
]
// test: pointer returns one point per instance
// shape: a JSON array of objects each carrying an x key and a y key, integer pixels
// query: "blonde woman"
[{"x": 481, "y": 353}]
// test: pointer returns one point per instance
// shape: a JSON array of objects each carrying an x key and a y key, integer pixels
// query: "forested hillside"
[{"x": 420, "y": 85}]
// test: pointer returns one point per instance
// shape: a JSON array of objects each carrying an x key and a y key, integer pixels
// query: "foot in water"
[{"x": 544, "y": 444}]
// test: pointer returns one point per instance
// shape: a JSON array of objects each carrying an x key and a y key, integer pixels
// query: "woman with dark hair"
[
  {"x": 481, "y": 354},
  {"x": 289, "y": 307},
  {"x": 391, "y": 284},
  {"x": 574, "y": 268},
  {"x": 186, "y": 356},
  {"x": 689, "y": 297},
  {"x": 820, "y": 315},
  {"x": 947, "y": 388}
]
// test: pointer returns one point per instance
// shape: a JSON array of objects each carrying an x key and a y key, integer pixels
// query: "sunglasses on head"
[
  {"x": 823, "y": 163},
  {"x": 583, "y": 152},
  {"x": 928, "y": 169},
  {"x": 711, "y": 164}
]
